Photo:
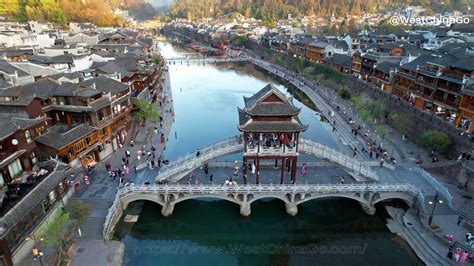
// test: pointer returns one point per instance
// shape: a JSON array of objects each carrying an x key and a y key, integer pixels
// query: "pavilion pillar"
[
  {"x": 293, "y": 170},
  {"x": 245, "y": 142},
  {"x": 258, "y": 172},
  {"x": 282, "y": 177},
  {"x": 297, "y": 140},
  {"x": 288, "y": 165},
  {"x": 244, "y": 170}
]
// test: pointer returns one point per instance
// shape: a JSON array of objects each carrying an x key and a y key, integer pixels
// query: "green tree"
[
  {"x": 435, "y": 140},
  {"x": 382, "y": 130},
  {"x": 145, "y": 111},
  {"x": 78, "y": 211},
  {"x": 240, "y": 40},
  {"x": 344, "y": 93},
  {"x": 54, "y": 234}
]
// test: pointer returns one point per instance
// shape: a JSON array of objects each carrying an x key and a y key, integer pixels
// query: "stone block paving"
[{"x": 269, "y": 175}]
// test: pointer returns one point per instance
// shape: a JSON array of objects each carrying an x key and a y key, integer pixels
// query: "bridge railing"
[
  {"x": 234, "y": 144},
  {"x": 190, "y": 160},
  {"x": 348, "y": 162},
  {"x": 111, "y": 214},
  {"x": 436, "y": 184},
  {"x": 268, "y": 188}
]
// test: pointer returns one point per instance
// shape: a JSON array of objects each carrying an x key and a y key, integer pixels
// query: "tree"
[
  {"x": 54, "y": 234},
  {"x": 145, "y": 111},
  {"x": 240, "y": 40},
  {"x": 382, "y": 130},
  {"x": 435, "y": 140},
  {"x": 344, "y": 93},
  {"x": 78, "y": 211}
]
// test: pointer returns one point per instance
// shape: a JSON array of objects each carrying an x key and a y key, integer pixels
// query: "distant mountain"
[
  {"x": 273, "y": 10},
  {"x": 61, "y": 11}
]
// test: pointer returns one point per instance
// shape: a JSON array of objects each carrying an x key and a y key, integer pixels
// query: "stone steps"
[
  {"x": 463, "y": 246},
  {"x": 418, "y": 243},
  {"x": 92, "y": 228},
  {"x": 467, "y": 211}
]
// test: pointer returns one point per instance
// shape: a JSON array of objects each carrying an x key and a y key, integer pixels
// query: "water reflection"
[{"x": 206, "y": 100}]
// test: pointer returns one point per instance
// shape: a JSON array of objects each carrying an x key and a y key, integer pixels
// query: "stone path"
[{"x": 269, "y": 175}]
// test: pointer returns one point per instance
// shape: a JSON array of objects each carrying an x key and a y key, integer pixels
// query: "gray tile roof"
[
  {"x": 69, "y": 76},
  {"x": 106, "y": 85},
  {"x": 11, "y": 69},
  {"x": 21, "y": 101},
  {"x": 271, "y": 109},
  {"x": 4, "y": 84},
  {"x": 420, "y": 61},
  {"x": 10, "y": 124},
  {"x": 15, "y": 52},
  {"x": 273, "y": 126},
  {"x": 385, "y": 67},
  {"x": 252, "y": 100},
  {"x": 112, "y": 67},
  {"x": 59, "y": 136},
  {"x": 60, "y": 59},
  {"x": 34, "y": 197},
  {"x": 42, "y": 89},
  {"x": 341, "y": 60},
  {"x": 319, "y": 44}
]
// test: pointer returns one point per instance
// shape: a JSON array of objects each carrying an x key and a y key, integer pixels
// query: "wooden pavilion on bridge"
[{"x": 271, "y": 128}]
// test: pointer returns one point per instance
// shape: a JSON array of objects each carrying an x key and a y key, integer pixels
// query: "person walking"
[
  {"x": 197, "y": 153},
  {"x": 342, "y": 180},
  {"x": 460, "y": 218},
  {"x": 211, "y": 178},
  {"x": 381, "y": 162},
  {"x": 206, "y": 168},
  {"x": 35, "y": 253}
]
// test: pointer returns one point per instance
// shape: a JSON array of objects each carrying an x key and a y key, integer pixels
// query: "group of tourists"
[{"x": 459, "y": 255}]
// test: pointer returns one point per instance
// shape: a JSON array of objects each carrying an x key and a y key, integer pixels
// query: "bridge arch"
[
  {"x": 409, "y": 200},
  {"x": 332, "y": 195},
  {"x": 226, "y": 198}
]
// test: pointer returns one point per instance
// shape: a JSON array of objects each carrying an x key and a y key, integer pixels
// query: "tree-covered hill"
[
  {"x": 99, "y": 12},
  {"x": 272, "y": 10}
]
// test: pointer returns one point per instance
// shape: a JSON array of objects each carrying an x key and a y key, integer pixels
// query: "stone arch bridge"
[
  {"x": 244, "y": 195},
  {"x": 173, "y": 172}
]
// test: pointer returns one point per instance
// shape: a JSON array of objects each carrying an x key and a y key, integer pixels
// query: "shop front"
[{"x": 91, "y": 156}]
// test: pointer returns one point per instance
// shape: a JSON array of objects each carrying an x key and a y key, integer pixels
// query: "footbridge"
[
  {"x": 167, "y": 196},
  {"x": 202, "y": 61},
  {"x": 179, "y": 168}
]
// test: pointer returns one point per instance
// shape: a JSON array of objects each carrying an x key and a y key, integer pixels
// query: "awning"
[{"x": 11, "y": 158}]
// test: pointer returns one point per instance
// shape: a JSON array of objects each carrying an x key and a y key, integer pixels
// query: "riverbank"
[{"x": 204, "y": 224}]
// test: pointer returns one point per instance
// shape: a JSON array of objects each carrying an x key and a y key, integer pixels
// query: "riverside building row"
[
  {"x": 432, "y": 69},
  {"x": 65, "y": 103}
]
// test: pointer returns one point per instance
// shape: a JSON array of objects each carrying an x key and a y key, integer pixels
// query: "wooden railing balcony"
[{"x": 275, "y": 150}]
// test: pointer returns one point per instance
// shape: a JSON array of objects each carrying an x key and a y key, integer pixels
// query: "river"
[{"x": 212, "y": 232}]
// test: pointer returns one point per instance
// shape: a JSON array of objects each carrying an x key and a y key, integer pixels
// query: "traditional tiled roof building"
[{"x": 271, "y": 130}]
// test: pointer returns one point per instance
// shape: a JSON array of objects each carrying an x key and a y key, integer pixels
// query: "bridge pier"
[
  {"x": 291, "y": 209},
  {"x": 369, "y": 208},
  {"x": 167, "y": 209},
  {"x": 245, "y": 209}
]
